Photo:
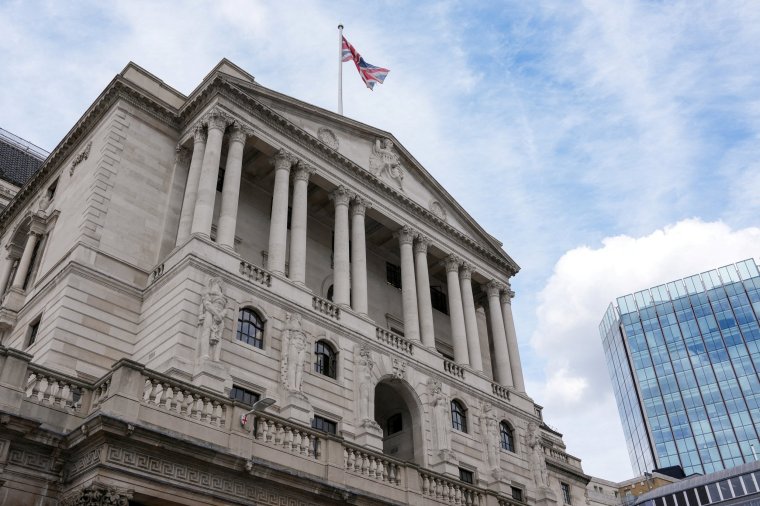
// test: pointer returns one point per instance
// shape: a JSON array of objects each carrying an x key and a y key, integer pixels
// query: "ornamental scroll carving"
[
  {"x": 214, "y": 308},
  {"x": 295, "y": 343},
  {"x": 328, "y": 137},
  {"x": 384, "y": 162},
  {"x": 82, "y": 156}
]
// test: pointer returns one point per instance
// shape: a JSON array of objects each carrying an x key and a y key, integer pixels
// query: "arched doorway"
[{"x": 397, "y": 412}]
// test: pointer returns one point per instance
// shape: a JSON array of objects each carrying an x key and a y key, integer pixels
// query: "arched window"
[
  {"x": 506, "y": 437},
  {"x": 250, "y": 328},
  {"x": 324, "y": 359},
  {"x": 458, "y": 416},
  {"x": 330, "y": 293}
]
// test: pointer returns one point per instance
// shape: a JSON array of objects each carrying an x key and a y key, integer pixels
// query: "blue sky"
[{"x": 611, "y": 145}]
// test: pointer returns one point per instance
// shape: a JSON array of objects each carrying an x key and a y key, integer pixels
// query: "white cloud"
[{"x": 577, "y": 392}]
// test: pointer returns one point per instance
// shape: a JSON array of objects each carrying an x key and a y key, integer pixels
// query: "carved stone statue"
[
  {"x": 366, "y": 386},
  {"x": 489, "y": 428},
  {"x": 213, "y": 310},
  {"x": 383, "y": 162},
  {"x": 294, "y": 344},
  {"x": 440, "y": 408},
  {"x": 536, "y": 457}
]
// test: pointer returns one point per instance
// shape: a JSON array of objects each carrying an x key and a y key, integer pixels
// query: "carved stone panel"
[
  {"x": 328, "y": 137},
  {"x": 384, "y": 162}
]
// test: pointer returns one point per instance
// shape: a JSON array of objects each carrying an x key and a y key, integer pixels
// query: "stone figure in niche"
[
  {"x": 211, "y": 320},
  {"x": 489, "y": 429},
  {"x": 536, "y": 457},
  {"x": 383, "y": 162},
  {"x": 366, "y": 387},
  {"x": 439, "y": 404},
  {"x": 294, "y": 345}
]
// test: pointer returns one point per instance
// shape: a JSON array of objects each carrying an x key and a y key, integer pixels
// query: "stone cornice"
[{"x": 220, "y": 86}]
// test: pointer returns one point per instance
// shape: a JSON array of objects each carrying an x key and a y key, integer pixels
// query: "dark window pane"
[
  {"x": 394, "y": 424},
  {"x": 458, "y": 416},
  {"x": 736, "y": 484},
  {"x": 324, "y": 425},
  {"x": 324, "y": 360},
  {"x": 33, "y": 328},
  {"x": 244, "y": 396},
  {"x": 507, "y": 437},
  {"x": 691, "y": 495},
  {"x": 250, "y": 328},
  {"x": 220, "y": 179},
  {"x": 439, "y": 300},
  {"x": 725, "y": 490},
  {"x": 393, "y": 274},
  {"x": 517, "y": 494},
  {"x": 702, "y": 494},
  {"x": 749, "y": 484},
  {"x": 670, "y": 500},
  {"x": 466, "y": 476}
]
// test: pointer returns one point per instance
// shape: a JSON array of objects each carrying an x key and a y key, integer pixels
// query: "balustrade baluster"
[
  {"x": 42, "y": 388},
  {"x": 168, "y": 396},
  {"x": 288, "y": 439},
  {"x": 53, "y": 397},
  {"x": 66, "y": 399}
]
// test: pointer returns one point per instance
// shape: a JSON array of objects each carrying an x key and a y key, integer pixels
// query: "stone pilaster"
[
  {"x": 191, "y": 188},
  {"x": 359, "y": 255},
  {"x": 425, "y": 306},
  {"x": 341, "y": 268},
  {"x": 233, "y": 172},
  {"x": 216, "y": 122},
  {"x": 470, "y": 320},
  {"x": 509, "y": 327},
  {"x": 456, "y": 313},
  {"x": 503, "y": 370},
  {"x": 298, "y": 219},
  {"x": 408, "y": 284},
  {"x": 278, "y": 225}
]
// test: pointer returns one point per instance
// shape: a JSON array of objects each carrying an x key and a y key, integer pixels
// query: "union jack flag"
[{"x": 369, "y": 73}]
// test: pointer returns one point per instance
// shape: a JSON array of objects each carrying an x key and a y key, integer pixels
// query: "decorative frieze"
[{"x": 384, "y": 162}]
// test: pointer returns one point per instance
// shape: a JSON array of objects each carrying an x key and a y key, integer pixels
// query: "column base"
[{"x": 370, "y": 434}]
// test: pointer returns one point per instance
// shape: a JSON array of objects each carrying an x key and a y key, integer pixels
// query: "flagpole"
[{"x": 340, "y": 70}]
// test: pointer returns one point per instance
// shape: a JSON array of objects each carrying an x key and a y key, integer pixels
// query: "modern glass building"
[{"x": 684, "y": 359}]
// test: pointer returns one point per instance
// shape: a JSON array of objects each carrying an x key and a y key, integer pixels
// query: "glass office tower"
[{"x": 684, "y": 359}]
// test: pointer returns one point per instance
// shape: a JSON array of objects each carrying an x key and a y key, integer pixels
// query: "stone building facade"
[{"x": 199, "y": 253}]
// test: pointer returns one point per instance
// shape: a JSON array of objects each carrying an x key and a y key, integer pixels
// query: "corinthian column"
[
  {"x": 503, "y": 372},
  {"x": 26, "y": 260},
  {"x": 408, "y": 289},
  {"x": 341, "y": 282},
  {"x": 456, "y": 314},
  {"x": 204, "y": 204},
  {"x": 470, "y": 321},
  {"x": 278, "y": 224},
  {"x": 6, "y": 274},
  {"x": 191, "y": 188},
  {"x": 231, "y": 188},
  {"x": 509, "y": 327},
  {"x": 427, "y": 330},
  {"x": 358, "y": 256},
  {"x": 297, "y": 271}
]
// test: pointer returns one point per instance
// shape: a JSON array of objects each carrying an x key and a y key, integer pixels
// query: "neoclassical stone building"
[{"x": 178, "y": 258}]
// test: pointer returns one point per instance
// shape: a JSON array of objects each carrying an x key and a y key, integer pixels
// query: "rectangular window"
[
  {"x": 466, "y": 476},
  {"x": 393, "y": 274},
  {"x": 33, "y": 328},
  {"x": 324, "y": 425},
  {"x": 566, "y": 493},
  {"x": 517, "y": 494},
  {"x": 439, "y": 300},
  {"x": 244, "y": 396}
]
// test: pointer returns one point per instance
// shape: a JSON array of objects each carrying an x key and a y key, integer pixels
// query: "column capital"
[
  {"x": 37, "y": 225},
  {"x": 181, "y": 155},
  {"x": 405, "y": 235},
  {"x": 466, "y": 272},
  {"x": 494, "y": 288},
  {"x": 452, "y": 263},
  {"x": 303, "y": 171},
  {"x": 421, "y": 244},
  {"x": 283, "y": 160},
  {"x": 359, "y": 205},
  {"x": 239, "y": 133},
  {"x": 199, "y": 133},
  {"x": 14, "y": 251},
  {"x": 341, "y": 196},
  {"x": 507, "y": 296},
  {"x": 216, "y": 119}
]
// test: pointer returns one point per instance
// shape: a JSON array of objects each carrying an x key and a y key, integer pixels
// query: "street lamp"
[{"x": 257, "y": 407}]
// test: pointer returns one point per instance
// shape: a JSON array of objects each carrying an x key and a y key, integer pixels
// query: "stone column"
[
  {"x": 427, "y": 331},
  {"x": 359, "y": 256},
  {"x": 470, "y": 321},
  {"x": 278, "y": 225},
  {"x": 509, "y": 328},
  {"x": 297, "y": 270},
  {"x": 191, "y": 188},
  {"x": 204, "y": 203},
  {"x": 6, "y": 274},
  {"x": 341, "y": 275},
  {"x": 503, "y": 370},
  {"x": 26, "y": 260},
  {"x": 233, "y": 172},
  {"x": 456, "y": 313},
  {"x": 408, "y": 288}
]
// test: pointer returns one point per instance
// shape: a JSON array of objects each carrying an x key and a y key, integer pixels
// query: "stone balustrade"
[
  {"x": 454, "y": 369},
  {"x": 325, "y": 307},
  {"x": 47, "y": 387},
  {"x": 164, "y": 393},
  {"x": 560, "y": 456},
  {"x": 450, "y": 491},
  {"x": 372, "y": 465},
  {"x": 255, "y": 274},
  {"x": 394, "y": 340},
  {"x": 500, "y": 391},
  {"x": 289, "y": 436}
]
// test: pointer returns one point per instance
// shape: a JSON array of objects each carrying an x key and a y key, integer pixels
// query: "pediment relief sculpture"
[
  {"x": 328, "y": 137},
  {"x": 384, "y": 162},
  {"x": 437, "y": 209}
]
